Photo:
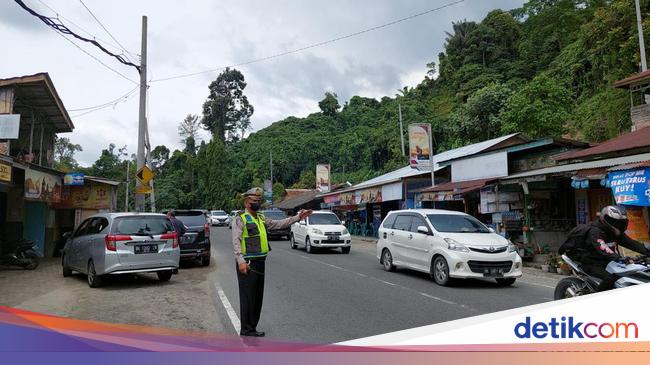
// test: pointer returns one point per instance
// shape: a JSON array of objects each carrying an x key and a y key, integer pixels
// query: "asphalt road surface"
[{"x": 328, "y": 297}]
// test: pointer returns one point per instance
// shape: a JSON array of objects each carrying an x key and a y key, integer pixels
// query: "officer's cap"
[{"x": 254, "y": 192}]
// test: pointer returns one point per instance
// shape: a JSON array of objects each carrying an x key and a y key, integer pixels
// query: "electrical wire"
[
  {"x": 103, "y": 27},
  {"x": 58, "y": 15},
  {"x": 314, "y": 45},
  {"x": 112, "y": 102},
  {"x": 58, "y": 26},
  {"x": 122, "y": 99}
]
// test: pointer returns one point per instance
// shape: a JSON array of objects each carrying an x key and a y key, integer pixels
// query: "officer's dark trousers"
[{"x": 251, "y": 294}]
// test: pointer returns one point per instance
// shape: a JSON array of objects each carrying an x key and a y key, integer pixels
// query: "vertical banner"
[
  {"x": 420, "y": 146},
  {"x": 268, "y": 191},
  {"x": 323, "y": 178}
]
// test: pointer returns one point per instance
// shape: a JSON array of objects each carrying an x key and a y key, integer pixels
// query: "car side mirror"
[
  {"x": 67, "y": 235},
  {"x": 303, "y": 223},
  {"x": 491, "y": 230},
  {"x": 423, "y": 230}
]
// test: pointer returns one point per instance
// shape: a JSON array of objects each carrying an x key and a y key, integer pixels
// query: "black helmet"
[{"x": 615, "y": 218}]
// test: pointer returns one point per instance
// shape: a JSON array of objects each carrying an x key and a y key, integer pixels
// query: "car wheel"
[
  {"x": 205, "y": 261},
  {"x": 293, "y": 242},
  {"x": 506, "y": 281},
  {"x": 387, "y": 260},
  {"x": 164, "y": 275},
  {"x": 345, "y": 249},
  {"x": 66, "y": 270},
  {"x": 94, "y": 280},
  {"x": 440, "y": 271},
  {"x": 308, "y": 247}
]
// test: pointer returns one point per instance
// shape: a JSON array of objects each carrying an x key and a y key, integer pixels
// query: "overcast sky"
[{"x": 190, "y": 36}]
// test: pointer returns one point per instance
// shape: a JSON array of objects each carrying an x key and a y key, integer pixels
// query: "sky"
[{"x": 192, "y": 36}]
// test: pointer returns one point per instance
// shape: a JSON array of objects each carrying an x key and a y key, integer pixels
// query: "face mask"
[{"x": 255, "y": 206}]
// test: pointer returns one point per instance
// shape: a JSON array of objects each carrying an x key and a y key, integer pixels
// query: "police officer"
[{"x": 251, "y": 246}]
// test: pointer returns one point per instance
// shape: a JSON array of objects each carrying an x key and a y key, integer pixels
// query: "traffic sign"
[
  {"x": 143, "y": 189},
  {"x": 144, "y": 175}
]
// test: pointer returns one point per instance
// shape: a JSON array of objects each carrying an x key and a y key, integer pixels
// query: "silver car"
[{"x": 121, "y": 243}]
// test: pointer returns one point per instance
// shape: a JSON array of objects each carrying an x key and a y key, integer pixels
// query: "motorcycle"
[
  {"x": 582, "y": 283},
  {"x": 23, "y": 255}
]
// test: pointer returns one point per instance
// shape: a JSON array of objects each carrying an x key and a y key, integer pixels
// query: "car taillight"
[
  {"x": 112, "y": 239},
  {"x": 170, "y": 236},
  {"x": 206, "y": 230}
]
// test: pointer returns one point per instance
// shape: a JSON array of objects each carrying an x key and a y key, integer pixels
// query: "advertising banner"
[
  {"x": 347, "y": 199},
  {"x": 420, "y": 146},
  {"x": 5, "y": 172},
  {"x": 631, "y": 187},
  {"x": 89, "y": 196},
  {"x": 323, "y": 178},
  {"x": 73, "y": 179},
  {"x": 42, "y": 186},
  {"x": 370, "y": 195}
]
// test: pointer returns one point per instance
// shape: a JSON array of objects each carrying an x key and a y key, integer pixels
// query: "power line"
[
  {"x": 109, "y": 103},
  {"x": 58, "y": 15},
  {"x": 96, "y": 59},
  {"x": 103, "y": 27},
  {"x": 314, "y": 45},
  {"x": 60, "y": 27},
  {"x": 122, "y": 99}
]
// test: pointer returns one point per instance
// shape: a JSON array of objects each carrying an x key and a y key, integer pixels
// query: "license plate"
[
  {"x": 333, "y": 238},
  {"x": 493, "y": 272},
  {"x": 138, "y": 249}
]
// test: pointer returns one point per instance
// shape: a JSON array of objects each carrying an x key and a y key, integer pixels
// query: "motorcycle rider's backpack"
[{"x": 576, "y": 240}]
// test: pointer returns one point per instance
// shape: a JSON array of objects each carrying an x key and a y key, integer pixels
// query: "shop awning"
[
  {"x": 459, "y": 187},
  {"x": 630, "y": 166},
  {"x": 570, "y": 169},
  {"x": 298, "y": 201}
]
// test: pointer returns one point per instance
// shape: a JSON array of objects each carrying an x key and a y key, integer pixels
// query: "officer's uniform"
[{"x": 250, "y": 244}]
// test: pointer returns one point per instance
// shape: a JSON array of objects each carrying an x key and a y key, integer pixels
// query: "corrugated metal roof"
[
  {"x": 102, "y": 180},
  {"x": 471, "y": 149},
  {"x": 457, "y": 186},
  {"x": 630, "y": 166},
  {"x": 297, "y": 201},
  {"x": 628, "y": 141},
  {"x": 573, "y": 167},
  {"x": 634, "y": 79}
]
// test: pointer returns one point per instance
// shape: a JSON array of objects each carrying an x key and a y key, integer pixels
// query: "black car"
[
  {"x": 276, "y": 214},
  {"x": 195, "y": 243}
]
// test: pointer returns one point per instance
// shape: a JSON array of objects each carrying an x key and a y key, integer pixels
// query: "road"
[
  {"x": 325, "y": 297},
  {"x": 329, "y": 297}
]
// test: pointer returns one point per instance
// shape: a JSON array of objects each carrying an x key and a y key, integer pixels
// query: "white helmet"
[{"x": 615, "y": 218}]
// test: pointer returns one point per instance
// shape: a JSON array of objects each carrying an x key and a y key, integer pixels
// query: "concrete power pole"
[
  {"x": 639, "y": 25},
  {"x": 142, "y": 121}
]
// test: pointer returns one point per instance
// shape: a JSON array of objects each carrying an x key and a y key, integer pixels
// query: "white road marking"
[
  {"x": 232, "y": 315},
  {"x": 386, "y": 282},
  {"x": 440, "y": 299},
  {"x": 542, "y": 285}
]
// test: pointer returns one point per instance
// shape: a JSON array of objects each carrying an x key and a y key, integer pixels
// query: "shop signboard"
[
  {"x": 631, "y": 187},
  {"x": 73, "y": 179},
  {"x": 332, "y": 199},
  {"x": 420, "y": 146},
  {"x": 370, "y": 195},
  {"x": 348, "y": 199},
  {"x": 5, "y": 172},
  {"x": 9, "y": 126},
  {"x": 89, "y": 196},
  {"x": 42, "y": 186},
  {"x": 323, "y": 178}
]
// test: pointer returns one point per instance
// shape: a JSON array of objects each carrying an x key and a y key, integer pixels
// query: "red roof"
[
  {"x": 637, "y": 139},
  {"x": 636, "y": 78}
]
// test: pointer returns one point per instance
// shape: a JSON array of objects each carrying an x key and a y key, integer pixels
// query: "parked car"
[
  {"x": 447, "y": 245},
  {"x": 219, "y": 218},
  {"x": 121, "y": 243},
  {"x": 195, "y": 243},
  {"x": 276, "y": 214},
  {"x": 322, "y": 229}
]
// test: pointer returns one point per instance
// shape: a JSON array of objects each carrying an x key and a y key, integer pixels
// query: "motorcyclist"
[{"x": 601, "y": 245}]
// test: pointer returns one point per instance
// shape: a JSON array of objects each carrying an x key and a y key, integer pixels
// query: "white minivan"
[{"x": 447, "y": 245}]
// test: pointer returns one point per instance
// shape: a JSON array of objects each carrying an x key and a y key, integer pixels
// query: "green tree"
[
  {"x": 541, "y": 108},
  {"x": 188, "y": 129},
  {"x": 330, "y": 104},
  {"x": 227, "y": 112},
  {"x": 64, "y": 152}
]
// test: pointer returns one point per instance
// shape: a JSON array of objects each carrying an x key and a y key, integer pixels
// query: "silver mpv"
[{"x": 121, "y": 243}]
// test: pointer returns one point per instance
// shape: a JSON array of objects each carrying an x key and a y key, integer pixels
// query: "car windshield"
[
  {"x": 142, "y": 226},
  {"x": 218, "y": 212},
  {"x": 274, "y": 214},
  {"x": 324, "y": 219},
  {"x": 456, "y": 223},
  {"x": 196, "y": 219}
]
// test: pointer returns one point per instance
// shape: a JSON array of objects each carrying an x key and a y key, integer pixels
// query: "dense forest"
[{"x": 545, "y": 69}]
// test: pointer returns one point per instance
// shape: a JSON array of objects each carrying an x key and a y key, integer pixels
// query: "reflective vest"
[{"x": 254, "y": 242}]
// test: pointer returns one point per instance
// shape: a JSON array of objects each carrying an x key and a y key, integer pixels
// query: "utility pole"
[
  {"x": 126, "y": 196},
  {"x": 142, "y": 121},
  {"x": 639, "y": 25},
  {"x": 271, "y": 159},
  {"x": 401, "y": 129}
]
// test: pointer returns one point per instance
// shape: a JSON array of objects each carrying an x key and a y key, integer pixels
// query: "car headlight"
[
  {"x": 316, "y": 231},
  {"x": 512, "y": 247},
  {"x": 455, "y": 245},
  {"x": 345, "y": 231}
]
